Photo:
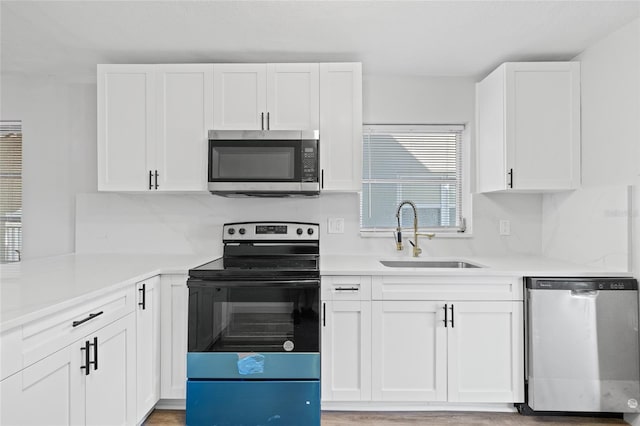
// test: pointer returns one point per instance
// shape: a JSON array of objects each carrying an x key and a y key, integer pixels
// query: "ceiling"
[{"x": 431, "y": 38}]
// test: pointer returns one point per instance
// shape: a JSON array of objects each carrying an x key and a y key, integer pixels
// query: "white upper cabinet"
[
  {"x": 341, "y": 126},
  {"x": 152, "y": 126},
  {"x": 528, "y": 127},
  {"x": 266, "y": 97},
  {"x": 184, "y": 116},
  {"x": 240, "y": 100},
  {"x": 125, "y": 126}
]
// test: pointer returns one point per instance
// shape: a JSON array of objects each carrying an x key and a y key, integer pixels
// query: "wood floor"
[{"x": 336, "y": 418}]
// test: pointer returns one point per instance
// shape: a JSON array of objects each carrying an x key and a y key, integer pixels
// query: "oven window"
[
  {"x": 253, "y": 319},
  {"x": 253, "y": 162}
]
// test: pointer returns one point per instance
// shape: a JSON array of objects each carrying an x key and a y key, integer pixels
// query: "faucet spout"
[{"x": 416, "y": 249}]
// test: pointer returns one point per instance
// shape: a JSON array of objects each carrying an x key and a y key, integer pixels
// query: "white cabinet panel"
[
  {"x": 341, "y": 126},
  {"x": 185, "y": 114},
  {"x": 111, "y": 385},
  {"x": 292, "y": 97},
  {"x": 485, "y": 361},
  {"x": 240, "y": 101},
  {"x": 173, "y": 326},
  {"x": 152, "y": 126},
  {"x": 266, "y": 97},
  {"x": 125, "y": 126},
  {"x": 147, "y": 346},
  {"x": 528, "y": 117},
  {"x": 408, "y": 351},
  {"x": 346, "y": 351},
  {"x": 49, "y": 392}
]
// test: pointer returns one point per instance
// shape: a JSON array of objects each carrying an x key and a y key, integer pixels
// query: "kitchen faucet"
[{"x": 416, "y": 249}]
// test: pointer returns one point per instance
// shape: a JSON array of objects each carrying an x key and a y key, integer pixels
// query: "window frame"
[{"x": 466, "y": 230}]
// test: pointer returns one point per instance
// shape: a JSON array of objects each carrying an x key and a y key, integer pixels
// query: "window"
[
  {"x": 10, "y": 191},
  {"x": 422, "y": 164}
]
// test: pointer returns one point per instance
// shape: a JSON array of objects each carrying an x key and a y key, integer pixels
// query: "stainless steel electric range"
[{"x": 254, "y": 328}]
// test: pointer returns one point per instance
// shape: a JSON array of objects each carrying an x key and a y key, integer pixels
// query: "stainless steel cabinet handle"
[
  {"x": 262, "y": 120},
  {"x": 445, "y": 315},
  {"x": 268, "y": 123},
  {"x": 347, "y": 289}
]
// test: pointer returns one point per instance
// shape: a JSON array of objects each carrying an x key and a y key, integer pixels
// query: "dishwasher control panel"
[{"x": 605, "y": 283}]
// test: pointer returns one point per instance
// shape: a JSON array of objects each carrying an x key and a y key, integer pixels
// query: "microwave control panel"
[{"x": 309, "y": 161}]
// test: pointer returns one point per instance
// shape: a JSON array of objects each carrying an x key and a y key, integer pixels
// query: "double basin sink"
[{"x": 456, "y": 264}]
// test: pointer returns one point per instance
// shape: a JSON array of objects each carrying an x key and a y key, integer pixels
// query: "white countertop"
[
  {"x": 32, "y": 289},
  {"x": 511, "y": 266}
]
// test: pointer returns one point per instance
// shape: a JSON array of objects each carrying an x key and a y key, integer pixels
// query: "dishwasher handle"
[{"x": 584, "y": 293}]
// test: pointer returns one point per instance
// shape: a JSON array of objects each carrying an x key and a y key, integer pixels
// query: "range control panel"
[{"x": 285, "y": 231}]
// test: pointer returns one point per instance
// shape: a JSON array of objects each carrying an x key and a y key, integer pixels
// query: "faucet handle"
[{"x": 429, "y": 235}]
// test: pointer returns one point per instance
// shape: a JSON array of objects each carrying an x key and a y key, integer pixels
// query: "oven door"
[{"x": 254, "y": 316}]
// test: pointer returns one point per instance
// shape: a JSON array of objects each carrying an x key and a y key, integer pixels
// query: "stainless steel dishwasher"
[{"x": 582, "y": 344}]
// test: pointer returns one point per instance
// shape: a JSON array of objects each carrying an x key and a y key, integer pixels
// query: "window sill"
[{"x": 407, "y": 234}]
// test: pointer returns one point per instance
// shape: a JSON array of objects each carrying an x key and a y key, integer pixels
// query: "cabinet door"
[
  {"x": 346, "y": 351},
  {"x": 147, "y": 346},
  {"x": 292, "y": 97},
  {"x": 408, "y": 351},
  {"x": 485, "y": 357},
  {"x": 111, "y": 385},
  {"x": 341, "y": 126},
  {"x": 543, "y": 125},
  {"x": 49, "y": 392},
  {"x": 173, "y": 325},
  {"x": 125, "y": 126},
  {"x": 185, "y": 114},
  {"x": 239, "y": 96}
]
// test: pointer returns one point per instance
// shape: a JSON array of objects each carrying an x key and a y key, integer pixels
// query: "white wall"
[
  {"x": 59, "y": 151},
  {"x": 592, "y": 225}
]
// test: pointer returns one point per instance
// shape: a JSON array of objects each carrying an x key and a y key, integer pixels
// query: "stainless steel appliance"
[
  {"x": 264, "y": 163},
  {"x": 582, "y": 344},
  {"x": 254, "y": 328}
]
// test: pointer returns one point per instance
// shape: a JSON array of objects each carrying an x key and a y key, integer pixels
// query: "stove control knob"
[
  {"x": 231, "y": 231},
  {"x": 310, "y": 231},
  {"x": 242, "y": 231},
  {"x": 299, "y": 231}
]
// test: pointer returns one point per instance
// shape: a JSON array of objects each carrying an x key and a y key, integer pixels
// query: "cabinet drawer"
[
  {"x": 348, "y": 287},
  {"x": 446, "y": 288},
  {"x": 47, "y": 335}
]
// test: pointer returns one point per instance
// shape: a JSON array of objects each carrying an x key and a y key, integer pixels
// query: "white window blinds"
[
  {"x": 10, "y": 191},
  {"x": 422, "y": 164}
]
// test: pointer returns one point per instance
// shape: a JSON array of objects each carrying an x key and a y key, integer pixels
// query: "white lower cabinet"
[
  {"x": 346, "y": 350},
  {"x": 476, "y": 356},
  {"x": 58, "y": 391},
  {"x": 408, "y": 351},
  {"x": 147, "y": 346},
  {"x": 408, "y": 339},
  {"x": 173, "y": 346}
]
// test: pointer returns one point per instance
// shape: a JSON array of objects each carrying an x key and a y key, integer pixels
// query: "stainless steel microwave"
[{"x": 269, "y": 163}]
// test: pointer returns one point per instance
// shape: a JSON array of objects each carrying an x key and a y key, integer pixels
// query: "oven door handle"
[{"x": 255, "y": 283}]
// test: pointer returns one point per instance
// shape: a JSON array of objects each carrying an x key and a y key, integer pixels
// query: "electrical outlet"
[
  {"x": 335, "y": 225},
  {"x": 505, "y": 227}
]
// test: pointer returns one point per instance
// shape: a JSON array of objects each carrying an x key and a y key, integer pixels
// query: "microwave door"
[{"x": 253, "y": 161}]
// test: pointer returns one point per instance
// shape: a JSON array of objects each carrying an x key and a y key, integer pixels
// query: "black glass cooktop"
[{"x": 263, "y": 267}]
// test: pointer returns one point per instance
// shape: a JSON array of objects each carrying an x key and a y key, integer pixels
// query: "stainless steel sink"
[{"x": 428, "y": 264}]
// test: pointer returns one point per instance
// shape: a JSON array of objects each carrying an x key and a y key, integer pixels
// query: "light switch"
[{"x": 335, "y": 225}]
